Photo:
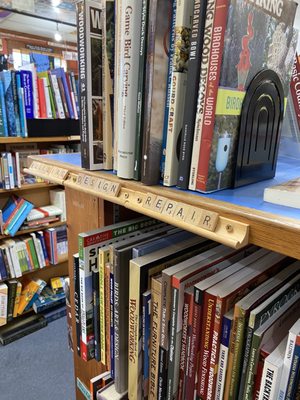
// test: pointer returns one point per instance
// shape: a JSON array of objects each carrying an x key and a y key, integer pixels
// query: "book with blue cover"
[
  {"x": 3, "y": 117},
  {"x": 5, "y": 76},
  {"x": 48, "y": 299},
  {"x": 14, "y": 214},
  {"x": 27, "y": 85},
  {"x": 21, "y": 105}
]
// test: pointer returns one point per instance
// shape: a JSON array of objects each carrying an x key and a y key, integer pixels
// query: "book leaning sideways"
[
  {"x": 284, "y": 194},
  {"x": 90, "y": 26}
]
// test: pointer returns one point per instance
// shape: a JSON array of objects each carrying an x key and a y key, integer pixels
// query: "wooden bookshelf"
[
  {"x": 40, "y": 228},
  {"x": 54, "y": 139},
  {"x": 29, "y": 187},
  {"x": 273, "y": 227},
  {"x": 43, "y": 271}
]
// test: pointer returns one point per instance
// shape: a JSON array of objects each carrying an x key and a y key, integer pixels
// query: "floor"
[{"x": 38, "y": 366}]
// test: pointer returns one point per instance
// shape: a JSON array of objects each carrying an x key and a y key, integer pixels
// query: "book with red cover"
[
  {"x": 217, "y": 300},
  {"x": 42, "y": 99}
]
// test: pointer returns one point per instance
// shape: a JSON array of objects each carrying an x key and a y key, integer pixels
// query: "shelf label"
[
  {"x": 204, "y": 219},
  {"x": 99, "y": 185}
]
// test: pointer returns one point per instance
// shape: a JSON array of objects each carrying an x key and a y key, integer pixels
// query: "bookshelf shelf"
[
  {"x": 49, "y": 267},
  {"x": 267, "y": 222},
  {"x": 33, "y": 186},
  {"x": 54, "y": 139},
  {"x": 25, "y": 232}
]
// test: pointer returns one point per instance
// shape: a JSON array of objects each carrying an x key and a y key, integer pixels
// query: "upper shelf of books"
[
  {"x": 236, "y": 216},
  {"x": 55, "y": 139}
]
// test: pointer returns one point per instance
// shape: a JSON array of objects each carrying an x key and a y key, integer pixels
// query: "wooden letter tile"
[{"x": 209, "y": 220}]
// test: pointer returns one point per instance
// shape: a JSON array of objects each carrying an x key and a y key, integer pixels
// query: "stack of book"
[
  {"x": 49, "y": 304},
  {"x": 13, "y": 214},
  {"x": 42, "y": 216},
  {"x": 173, "y": 315},
  {"x": 168, "y": 91},
  {"x": 28, "y": 94}
]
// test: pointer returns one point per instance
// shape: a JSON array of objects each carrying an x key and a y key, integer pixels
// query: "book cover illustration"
[
  {"x": 250, "y": 28},
  {"x": 5, "y": 76}
]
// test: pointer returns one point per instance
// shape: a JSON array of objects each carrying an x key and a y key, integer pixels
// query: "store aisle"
[{"x": 38, "y": 366}]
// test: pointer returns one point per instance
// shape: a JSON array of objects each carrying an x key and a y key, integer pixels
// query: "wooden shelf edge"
[
  {"x": 8, "y": 140},
  {"x": 40, "y": 228},
  {"x": 49, "y": 267},
  {"x": 31, "y": 186},
  {"x": 270, "y": 231}
]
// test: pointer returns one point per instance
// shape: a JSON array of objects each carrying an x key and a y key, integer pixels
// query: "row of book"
[
  {"x": 178, "y": 83},
  {"x": 17, "y": 297},
  {"x": 28, "y": 94},
  {"x": 31, "y": 252},
  {"x": 173, "y": 315}
]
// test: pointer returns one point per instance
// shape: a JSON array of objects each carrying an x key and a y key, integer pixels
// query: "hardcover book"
[
  {"x": 5, "y": 76},
  {"x": 160, "y": 12},
  {"x": 90, "y": 45},
  {"x": 284, "y": 194},
  {"x": 257, "y": 36},
  {"x": 130, "y": 25}
]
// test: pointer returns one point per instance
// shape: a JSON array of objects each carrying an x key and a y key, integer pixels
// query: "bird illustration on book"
[{"x": 245, "y": 63}]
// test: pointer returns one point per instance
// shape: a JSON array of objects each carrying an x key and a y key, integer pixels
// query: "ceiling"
[{"x": 36, "y": 26}]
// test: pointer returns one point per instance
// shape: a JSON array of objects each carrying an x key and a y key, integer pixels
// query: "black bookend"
[{"x": 260, "y": 127}]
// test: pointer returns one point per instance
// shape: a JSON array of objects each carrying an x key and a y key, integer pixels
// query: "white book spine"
[
  {"x": 10, "y": 171},
  {"x": 184, "y": 14},
  {"x": 129, "y": 68},
  {"x": 47, "y": 98},
  {"x": 201, "y": 95},
  {"x": 221, "y": 377},
  {"x": 117, "y": 81},
  {"x": 15, "y": 260},
  {"x": 287, "y": 364},
  {"x": 18, "y": 172},
  {"x": 270, "y": 381},
  {"x": 59, "y": 104},
  {"x": 3, "y": 303},
  {"x": 74, "y": 105},
  {"x": 37, "y": 249}
]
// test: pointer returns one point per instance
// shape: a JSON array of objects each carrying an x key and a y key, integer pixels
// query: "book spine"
[
  {"x": 9, "y": 105},
  {"x": 140, "y": 90},
  {"x": 108, "y": 82},
  {"x": 12, "y": 289},
  {"x": 168, "y": 88},
  {"x": 47, "y": 98},
  {"x": 27, "y": 85},
  {"x": 102, "y": 306},
  {"x": 190, "y": 387},
  {"x": 269, "y": 378},
  {"x": 96, "y": 313},
  {"x": 155, "y": 334},
  {"x": 164, "y": 337},
  {"x": 207, "y": 41},
  {"x": 3, "y": 303},
  {"x": 57, "y": 97},
  {"x": 112, "y": 328},
  {"x": 107, "y": 314},
  {"x": 17, "y": 299},
  {"x": 129, "y": 66},
  {"x": 82, "y": 41},
  {"x": 294, "y": 373},
  {"x": 209, "y": 307},
  {"x": 15, "y": 102},
  {"x": 10, "y": 171},
  {"x": 235, "y": 355},
  {"x": 223, "y": 357},
  {"x": 246, "y": 356},
  {"x": 293, "y": 87},
  {"x": 214, "y": 69},
  {"x": 3, "y": 116},
  {"x": 42, "y": 98},
  {"x": 67, "y": 93},
  {"x": 146, "y": 337},
  {"x": 215, "y": 349},
  {"x": 287, "y": 365},
  {"x": 77, "y": 301},
  {"x": 248, "y": 391},
  {"x": 87, "y": 334},
  {"x": 21, "y": 105},
  {"x": 134, "y": 389},
  {"x": 184, "y": 11},
  {"x": 188, "y": 299},
  {"x": 46, "y": 306},
  {"x": 155, "y": 84},
  {"x": 173, "y": 332}
]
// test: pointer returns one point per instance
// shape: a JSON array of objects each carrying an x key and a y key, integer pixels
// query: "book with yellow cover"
[
  {"x": 28, "y": 291},
  {"x": 285, "y": 194},
  {"x": 17, "y": 299},
  {"x": 3, "y": 303}
]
